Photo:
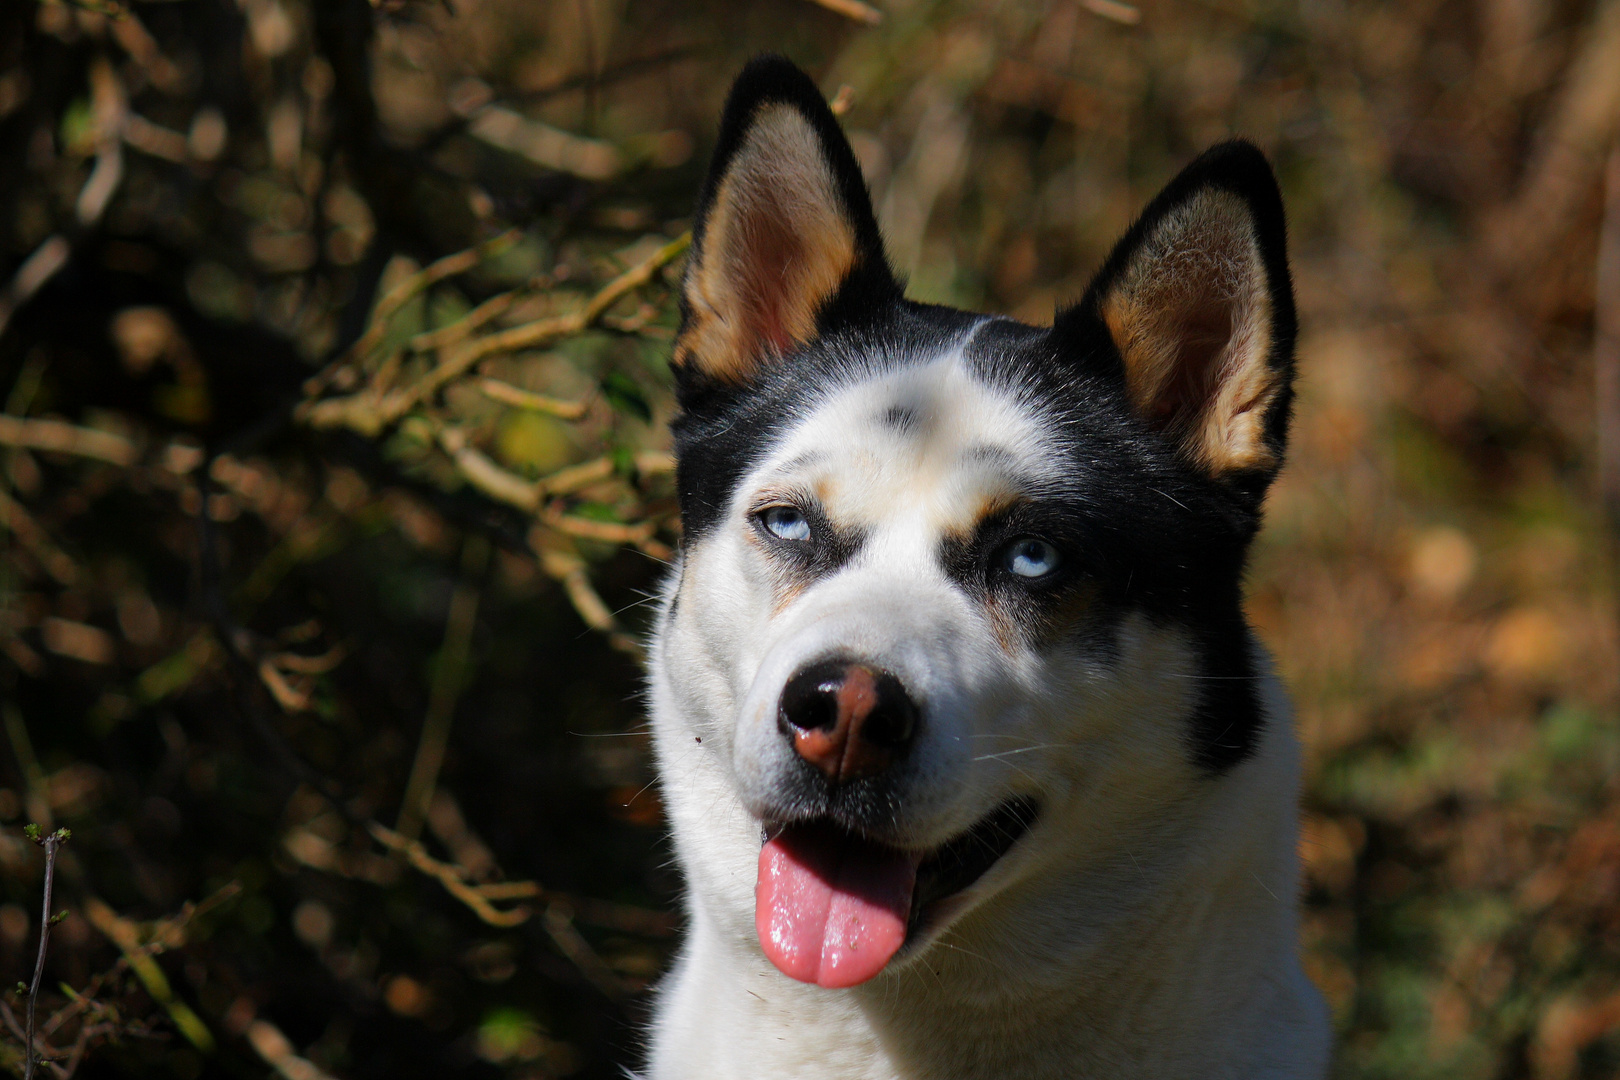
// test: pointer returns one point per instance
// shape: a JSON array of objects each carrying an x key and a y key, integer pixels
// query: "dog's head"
[{"x": 946, "y": 575}]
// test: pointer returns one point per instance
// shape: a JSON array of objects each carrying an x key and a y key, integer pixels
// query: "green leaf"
[
  {"x": 624, "y": 395},
  {"x": 59, "y": 916},
  {"x": 32, "y": 831}
]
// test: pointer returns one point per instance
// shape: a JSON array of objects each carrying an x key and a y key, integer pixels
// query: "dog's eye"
[
  {"x": 1031, "y": 558},
  {"x": 785, "y": 523}
]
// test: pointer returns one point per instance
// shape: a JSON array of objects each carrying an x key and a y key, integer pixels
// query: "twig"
[
  {"x": 64, "y": 438},
  {"x": 109, "y": 107},
  {"x": 310, "y": 665},
  {"x": 853, "y": 9},
  {"x": 546, "y": 146},
  {"x": 277, "y": 1051},
  {"x": 31, "y": 276},
  {"x": 401, "y": 294},
  {"x": 424, "y": 279},
  {"x": 489, "y": 310},
  {"x": 567, "y": 480},
  {"x": 507, "y": 394},
  {"x": 559, "y": 912},
  {"x": 487, "y": 476},
  {"x": 522, "y": 337},
  {"x": 449, "y": 671},
  {"x": 47, "y": 919},
  {"x": 293, "y": 701},
  {"x": 1114, "y": 11},
  {"x": 475, "y": 897},
  {"x": 124, "y": 934},
  {"x": 609, "y": 532},
  {"x": 559, "y": 922},
  {"x": 588, "y": 602},
  {"x": 370, "y": 411},
  {"x": 33, "y": 536}
]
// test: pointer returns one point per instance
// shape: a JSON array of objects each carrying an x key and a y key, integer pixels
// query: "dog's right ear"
[{"x": 784, "y": 231}]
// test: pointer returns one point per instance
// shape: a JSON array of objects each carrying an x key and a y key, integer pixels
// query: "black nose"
[{"x": 847, "y": 719}]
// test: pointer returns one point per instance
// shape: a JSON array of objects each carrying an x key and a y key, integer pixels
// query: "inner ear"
[
  {"x": 1197, "y": 301},
  {"x": 783, "y": 227},
  {"x": 775, "y": 248},
  {"x": 1191, "y": 315}
]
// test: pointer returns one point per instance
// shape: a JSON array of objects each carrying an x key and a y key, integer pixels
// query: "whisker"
[
  {"x": 1172, "y": 498},
  {"x": 1020, "y": 750}
]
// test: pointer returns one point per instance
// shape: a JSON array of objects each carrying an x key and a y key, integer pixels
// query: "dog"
[{"x": 973, "y": 764}]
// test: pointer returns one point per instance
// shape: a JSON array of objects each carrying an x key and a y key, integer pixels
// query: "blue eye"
[
  {"x": 1030, "y": 558},
  {"x": 785, "y": 523}
]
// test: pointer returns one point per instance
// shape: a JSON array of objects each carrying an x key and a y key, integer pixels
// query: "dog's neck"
[{"x": 1107, "y": 963}]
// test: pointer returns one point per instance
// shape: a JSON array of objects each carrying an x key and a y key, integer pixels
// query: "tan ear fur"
[
  {"x": 1191, "y": 315},
  {"x": 775, "y": 247}
]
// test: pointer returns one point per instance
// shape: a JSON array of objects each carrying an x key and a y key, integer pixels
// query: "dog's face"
[{"x": 947, "y": 578}]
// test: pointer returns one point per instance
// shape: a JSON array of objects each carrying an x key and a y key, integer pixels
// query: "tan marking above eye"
[{"x": 990, "y": 504}]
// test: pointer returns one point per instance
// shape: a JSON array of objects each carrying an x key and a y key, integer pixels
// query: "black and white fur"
[{"x": 1145, "y": 923}]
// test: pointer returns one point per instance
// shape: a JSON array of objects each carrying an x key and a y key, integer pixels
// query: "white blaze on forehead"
[{"x": 930, "y": 444}]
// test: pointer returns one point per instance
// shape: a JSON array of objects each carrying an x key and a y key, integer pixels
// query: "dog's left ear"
[
  {"x": 1197, "y": 302},
  {"x": 784, "y": 234}
]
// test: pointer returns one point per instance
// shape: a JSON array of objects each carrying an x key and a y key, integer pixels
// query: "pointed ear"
[
  {"x": 1197, "y": 301},
  {"x": 784, "y": 230}
]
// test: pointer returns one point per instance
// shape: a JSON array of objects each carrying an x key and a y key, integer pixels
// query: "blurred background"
[{"x": 334, "y": 480}]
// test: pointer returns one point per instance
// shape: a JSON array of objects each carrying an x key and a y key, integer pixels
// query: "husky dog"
[{"x": 974, "y": 766}]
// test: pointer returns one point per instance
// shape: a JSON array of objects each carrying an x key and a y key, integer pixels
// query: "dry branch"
[
  {"x": 1114, "y": 11},
  {"x": 47, "y": 919},
  {"x": 58, "y": 436},
  {"x": 449, "y": 671},
  {"x": 424, "y": 279},
  {"x": 488, "y": 477},
  {"x": 127, "y": 936},
  {"x": 507, "y": 394},
  {"x": 51, "y": 255},
  {"x": 488, "y": 311},
  {"x": 373, "y": 410},
  {"x": 853, "y": 9},
  {"x": 34, "y": 537},
  {"x": 277, "y": 1051},
  {"x": 474, "y": 896}
]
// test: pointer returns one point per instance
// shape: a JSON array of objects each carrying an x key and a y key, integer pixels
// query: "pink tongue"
[{"x": 831, "y": 908}]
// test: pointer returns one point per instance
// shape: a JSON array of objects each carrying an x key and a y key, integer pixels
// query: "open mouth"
[{"x": 833, "y": 907}]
